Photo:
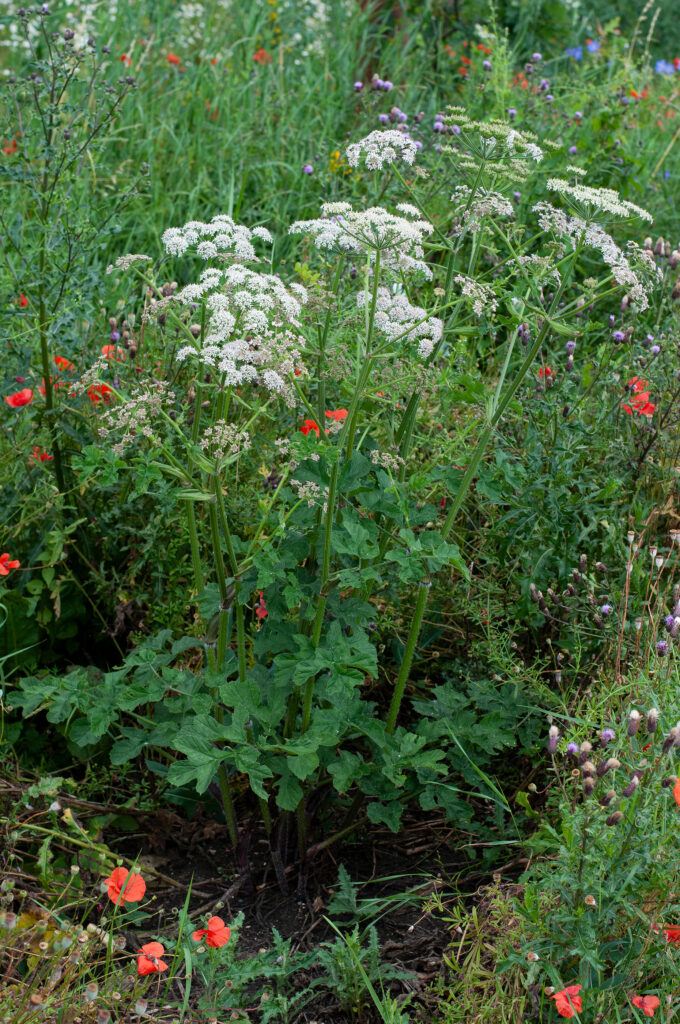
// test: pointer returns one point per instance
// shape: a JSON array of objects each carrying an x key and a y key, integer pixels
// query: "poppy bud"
[
  {"x": 671, "y": 740},
  {"x": 585, "y": 750},
  {"x": 633, "y": 722},
  {"x": 614, "y": 818},
  {"x": 588, "y": 785},
  {"x": 553, "y": 736},
  {"x": 608, "y": 797},
  {"x": 631, "y": 787},
  {"x": 652, "y": 720}
]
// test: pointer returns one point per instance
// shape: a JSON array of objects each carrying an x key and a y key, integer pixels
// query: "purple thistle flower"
[
  {"x": 669, "y": 622},
  {"x": 572, "y": 748},
  {"x": 578, "y": 116},
  {"x": 387, "y": 85},
  {"x": 662, "y": 648},
  {"x": 455, "y": 129},
  {"x": 570, "y": 348},
  {"x": 437, "y": 127},
  {"x": 536, "y": 58},
  {"x": 612, "y": 319},
  {"x": 308, "y": 169},
  {"x": 115, "y": 336},
  {"x": 549, "y": 98},
  {"x": 606, "y": 609},
  {"x": 573, "y": 149},
  {"x": 383, "y": 118},
  {"x": 618, "y": 336},
  {"x": 358, "y": 86},
  {"x": 655, "y": 349},
  {"x": 486, "y": 65},
  {"x": 512, "y": 113},
  {"x": 607, "y": 735}
]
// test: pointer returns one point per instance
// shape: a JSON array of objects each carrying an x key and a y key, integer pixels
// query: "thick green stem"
[
  {"x": 407, "y": 660},
  {"x": 228, "y": 804}
]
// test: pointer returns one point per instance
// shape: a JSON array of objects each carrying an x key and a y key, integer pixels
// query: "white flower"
[
  {"x": 396, "y": 318},
  {"x": 605, "y": 199},
  {"x": 398, "y": 239},
  {"x": 483, "y": 297},
  {"x": 382, "y": 148}
]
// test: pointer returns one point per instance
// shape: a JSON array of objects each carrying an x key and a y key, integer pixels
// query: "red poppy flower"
[
  {"x": 172, "y": 58},
  {"x": 113, "y": 352},
  {"x": 639, "y": 403},
  {"x": 125, "y": 887},
  {"x": 10, "y": 147},
  {"x": 63, "y": 364},
  {"x": 19, "y": 398},
  {"x": 337, "y": 414},
  {"x": 544, "y": 371},
  {"x": 567, "y": 1002},
  {"x": 127, "y": 61},
  {"x": 38, "y": 455},
  {"x": 262, "y": 57},
  {"x": 217, "y": 934},
  {"x": 262, "y": 613},
  {"x": 22, "y": 300},
  {"x": 672, "y": 934},
  {"x": 149, "y": 959},
  {"x": 648, "y": 1004},
  {"x": 100, "y": 393},
  {"x": 308, "y": 426},
  {"x": 6, "y": 564}
]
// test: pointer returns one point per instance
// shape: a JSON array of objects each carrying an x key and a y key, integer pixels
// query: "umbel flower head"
[
  {"x": 396, "y": 318},
  {"x": 380, "y": 148},
  {"x": 398, "y": 239}
]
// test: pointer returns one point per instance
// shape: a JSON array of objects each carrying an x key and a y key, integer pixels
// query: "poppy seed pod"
[
  {"x": 608, "y": 797},
  {"x": 633, "y": 722},
  {"x": 652, "y": 720},
  {"x": 614, "y": 818}
]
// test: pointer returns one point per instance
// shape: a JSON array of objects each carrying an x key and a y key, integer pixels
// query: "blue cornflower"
[
  {"x": 592, "y": 46},
  {"x": 574, "y": 51},
  {"x": 664, "y": 67}
]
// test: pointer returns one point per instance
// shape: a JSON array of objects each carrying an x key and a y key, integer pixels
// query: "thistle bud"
[
  {"x": 587, "y": 768},
  {"x": 633, "y": 722},
  {"x": 659, "y": 246},
  {"x": 584, "y": 751},
  {"x": 675, "y": 294},
  {"x": 582, "y": 564},
  {"x": 91, "y": 991},
  {"x": 674, "y": 259},
  {"x": 590, "y": 901},
  {"x": 614, "y": 818},
  {"x": 669, "y": 782},
  {"x": 588, "y": 785},
  {"x": 608, "y": 797},
  {"x": 671, "y": 740},
  {"x": 553, "y": 736},
  {"x": 532, "y": 957},
  {"x": 533, "y": 593},
  {"x": 667, "y": 250},
  {"x": 631, "y": 787},
  {"x": 611, "y": 764},
  {"x": 601, "y": 567},
  {"x": 648, "y": 243},
  {"x": 652, "y": 720}
]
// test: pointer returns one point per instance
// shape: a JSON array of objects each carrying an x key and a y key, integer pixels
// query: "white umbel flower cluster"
[
  {"x": 380, "y": 148},
  {"x": 595, "y": 237},
  {"x": 224, "y": 441},
  {"x": 222, "y": 237},
  {"x": 395, "y": 317},
  {"x": 604, "y": 199},
  {"x": 483, "y": 297},
  {"x": 471, "y": 209},
  {"x": 398, "y": 239},
  {"x": 251, "y": 327}
]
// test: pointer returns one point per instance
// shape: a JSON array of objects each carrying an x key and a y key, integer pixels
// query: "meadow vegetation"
[{"x": 339, "y": 583}]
